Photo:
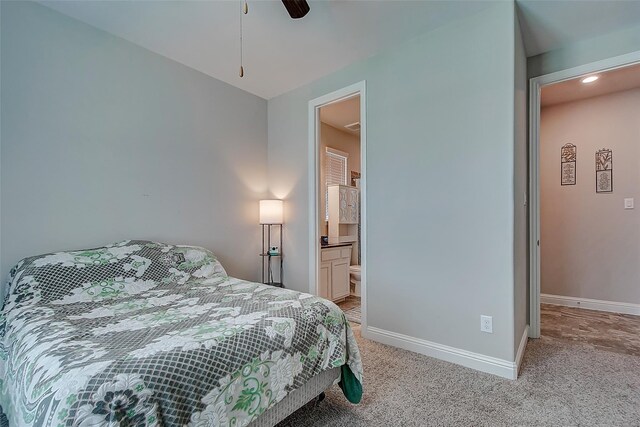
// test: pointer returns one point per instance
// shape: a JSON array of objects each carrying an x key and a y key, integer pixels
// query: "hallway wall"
[{"x": 590, "y": 245}]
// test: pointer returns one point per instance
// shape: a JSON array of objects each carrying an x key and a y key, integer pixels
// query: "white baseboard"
[
  {"x": 479, "y": 362},
  {"x": 523, "y": 345},
  {"x": 591, "y": 304}
]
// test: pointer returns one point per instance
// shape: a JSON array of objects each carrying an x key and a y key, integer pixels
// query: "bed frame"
[{"x": 313, "y": 388}]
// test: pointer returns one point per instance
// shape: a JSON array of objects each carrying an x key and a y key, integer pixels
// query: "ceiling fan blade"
[{"x": 296, "y": 8}]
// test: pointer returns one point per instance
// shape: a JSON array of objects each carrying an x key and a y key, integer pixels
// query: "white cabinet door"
[
  {"x": 344, "y": 204},
  {"x": 340, "y": 279},
  {"x": 325, "y": 276},
  {"x": 352, "y": 202},
  {"x": 348, "y": 204}
]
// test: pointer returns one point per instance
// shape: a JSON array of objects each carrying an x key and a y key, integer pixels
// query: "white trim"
[
  {"x": 591, "y": 304},
  {"x": 480, "y": 362},
  {"x": 337, "y": 152},
  {"x": 534, "y": 210},
  {"x": 313, "y": 167},
  {"x": 521, "y": 348},
  {"x": 535, "y": 85}
]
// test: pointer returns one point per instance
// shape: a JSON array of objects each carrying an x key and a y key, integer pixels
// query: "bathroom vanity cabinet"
[{"x": 334, "y": 281}]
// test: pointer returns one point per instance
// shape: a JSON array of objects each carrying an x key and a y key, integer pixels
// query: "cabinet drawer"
[{"x": 330, "y": 254}]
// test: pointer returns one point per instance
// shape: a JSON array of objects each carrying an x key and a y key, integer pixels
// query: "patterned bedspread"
[{"x": 148, "y": 334}]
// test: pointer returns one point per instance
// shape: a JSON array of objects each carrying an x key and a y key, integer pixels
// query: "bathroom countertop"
[{"x": 335, "y": 245}]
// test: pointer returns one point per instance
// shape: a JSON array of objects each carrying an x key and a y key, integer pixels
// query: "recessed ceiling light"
[{"x": 590, "y": 79}]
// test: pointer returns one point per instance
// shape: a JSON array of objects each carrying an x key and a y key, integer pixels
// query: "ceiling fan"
[{"x": 296, "y": 8}]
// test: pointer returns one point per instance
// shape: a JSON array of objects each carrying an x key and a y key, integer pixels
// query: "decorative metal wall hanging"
[
  {"x": 604, "y": 171},
  {"x": 568, "y": 154}
]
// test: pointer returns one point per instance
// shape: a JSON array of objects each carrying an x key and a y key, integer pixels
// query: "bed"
[{"x": 141, "y": 333}]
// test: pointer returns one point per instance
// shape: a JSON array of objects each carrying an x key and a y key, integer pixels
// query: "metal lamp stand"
[{"x": 267, "y": 269}]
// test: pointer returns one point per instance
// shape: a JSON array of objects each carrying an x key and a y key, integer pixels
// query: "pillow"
[
  {"x": 199, "y": 262},
  {"x": 115, "y": 271}
]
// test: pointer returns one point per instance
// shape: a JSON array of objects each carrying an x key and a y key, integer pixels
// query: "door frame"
[
  {"x": 535, "y": 85},
  {"x": 314, "y": 193}
]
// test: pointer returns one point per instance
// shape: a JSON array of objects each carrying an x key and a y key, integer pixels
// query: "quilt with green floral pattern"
[{"x": 148, "y": 334}]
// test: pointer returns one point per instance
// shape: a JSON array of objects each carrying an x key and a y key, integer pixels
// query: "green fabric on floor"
[{"x": 350, "y": 385}]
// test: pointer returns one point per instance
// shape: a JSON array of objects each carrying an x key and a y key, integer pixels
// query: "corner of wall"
[{"x": 520, "y": 206}]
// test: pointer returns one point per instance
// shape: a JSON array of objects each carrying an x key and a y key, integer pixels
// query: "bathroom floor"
[
  {"x": 619, "y": 333},
  {"x": 351, "y": 308}
]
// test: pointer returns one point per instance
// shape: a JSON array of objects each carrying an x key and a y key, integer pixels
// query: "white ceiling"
[
  {"x": 340, "y": 114},
  {"x": 281, "y": 54},
  {"x": 608, "y": 82}
]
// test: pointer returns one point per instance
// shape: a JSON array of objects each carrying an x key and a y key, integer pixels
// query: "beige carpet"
[{"x": 561, "y": 384}]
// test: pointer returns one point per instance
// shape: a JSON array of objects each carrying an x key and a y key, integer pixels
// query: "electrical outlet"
[{"x": 486, "y": 324}]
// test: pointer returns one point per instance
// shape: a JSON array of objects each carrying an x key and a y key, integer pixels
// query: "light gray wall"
[
  {"x": 616, "y": 43},
  {"x": 590, "y": 245},
  {"x": 440, "y": 176},
  {"x": 2, "y": 277},
  {"x": 103, "y": 140},
  {"x": 521, "y": 278}
]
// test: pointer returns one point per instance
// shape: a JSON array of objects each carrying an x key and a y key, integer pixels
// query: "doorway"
[
  {"x": 582, "y": 183},
  {"x": 337, "y": 200}
]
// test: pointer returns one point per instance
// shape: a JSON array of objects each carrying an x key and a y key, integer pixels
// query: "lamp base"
[{"x": 276, "y": 284}]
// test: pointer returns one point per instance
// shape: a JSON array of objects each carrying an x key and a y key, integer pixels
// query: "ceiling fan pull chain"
[{"x": 245, "y": 10}]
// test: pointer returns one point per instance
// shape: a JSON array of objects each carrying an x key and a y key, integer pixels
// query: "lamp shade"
[{"x": 271, "y": 211}]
